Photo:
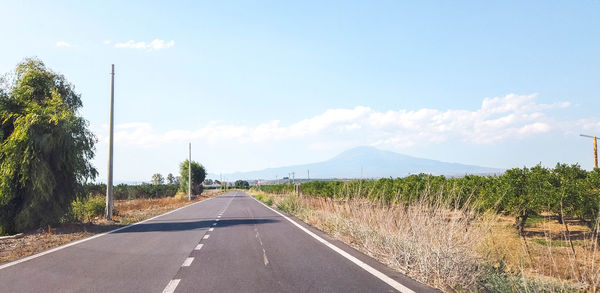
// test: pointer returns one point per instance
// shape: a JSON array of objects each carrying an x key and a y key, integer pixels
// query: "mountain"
[{"x": 375, "y": 163}]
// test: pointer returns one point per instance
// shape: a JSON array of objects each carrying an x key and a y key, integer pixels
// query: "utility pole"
[
  {"x": 109, "y": 181},
  {"x": 308, "y": 174},
  {"x": 293, "y": 179},
  {"x": 221, "y": 174},
  {"x": 190, "y": 174},
  {"x": 595, "y": 149}
]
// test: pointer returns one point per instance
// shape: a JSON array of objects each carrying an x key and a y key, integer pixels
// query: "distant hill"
[{"x": 375, "y": 163}]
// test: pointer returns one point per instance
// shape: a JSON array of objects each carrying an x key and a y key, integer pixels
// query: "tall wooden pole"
[{"x": 109, "y": 181}]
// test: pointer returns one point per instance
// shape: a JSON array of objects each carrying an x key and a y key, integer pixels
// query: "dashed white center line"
[
  {"x": 188, "y": 261},
  {"x": 199, "y": 246},
  {"x": 206, "y": 236},
  {"x": 211, "y": 229},
  {"x": 171, "y": 286},
  {"x": 218, "y": 216}
]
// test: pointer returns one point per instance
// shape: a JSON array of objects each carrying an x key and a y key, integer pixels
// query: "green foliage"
[
  {"x": 290, "y": 204},
  {"x": 242, "y": 184},
  {"x": 45, "y": 147},
  {"x": 124, "y": 191},
  {"x": 277, "y": 189},
  {"x": 496, "y": 279},
  {"x": 569, "y": 190},
  {"x": 522, "y": 192},
  {"x": 267, "y": 199},
  {"x": 198, "y": 176},
  {"x": 86, "y": 209},
  {"x": 171, "y": 179},
  {"x": 158, "y": 179}
]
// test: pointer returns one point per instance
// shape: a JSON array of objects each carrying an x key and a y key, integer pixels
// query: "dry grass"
[
  {"x": 128, "y": 212},
  {"x": 455, "y": 248},
  {"x": 545, "y": 251}
]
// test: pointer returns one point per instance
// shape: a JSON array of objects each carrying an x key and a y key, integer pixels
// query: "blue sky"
[{"x": 256, "y": 84}]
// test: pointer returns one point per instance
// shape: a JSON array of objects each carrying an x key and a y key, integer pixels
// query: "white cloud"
[
  {"x": 63, "y": 44},
  {"x": 156, "y": 44},
  {"x": 498, "y": 119},
  {"x": 107, "y": 42}
]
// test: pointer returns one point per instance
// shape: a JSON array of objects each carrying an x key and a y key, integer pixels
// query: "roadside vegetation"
[
  {"x": 45, "y": 147},
  {"x": 527, "y": 230}
]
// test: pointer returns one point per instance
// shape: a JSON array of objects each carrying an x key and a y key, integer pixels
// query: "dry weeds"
[{"x": 449, "y": 248}]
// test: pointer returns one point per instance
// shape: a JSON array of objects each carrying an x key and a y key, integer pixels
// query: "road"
[{"x": 229, "y": 243}]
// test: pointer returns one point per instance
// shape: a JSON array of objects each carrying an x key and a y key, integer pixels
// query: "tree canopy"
[
  {"x": 45, "y": 147},
  {"x": 158, "y": 179},
  {"x": 198, "y": 175}
]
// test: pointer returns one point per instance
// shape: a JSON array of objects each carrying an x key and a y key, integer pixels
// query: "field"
[{"x": 447, "y": 238}]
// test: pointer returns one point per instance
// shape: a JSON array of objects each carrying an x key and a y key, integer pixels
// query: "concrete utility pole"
[
  {"x": 190, "y": 174},
  {"x": 308, "y": 174},
  {"x": 109, "y": 181},
  {"x": 293, "y": 179}
]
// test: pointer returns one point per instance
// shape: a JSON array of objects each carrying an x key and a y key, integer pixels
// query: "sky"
[{"x": 257, "y": 84}]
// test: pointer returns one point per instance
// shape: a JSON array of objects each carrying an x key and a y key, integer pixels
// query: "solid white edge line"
[
  {"x": 171, "y": 286},
  {"x": 383, "y": 277},
  {"x": 10, "y": 264},
  {"x": 187, "y": 262},
  {"x": 199, "y": 246}
]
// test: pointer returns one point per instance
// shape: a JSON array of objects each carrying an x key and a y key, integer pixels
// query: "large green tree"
[
  {"x": 45, "y": 147},
  {"x": 198, "y": 175}
]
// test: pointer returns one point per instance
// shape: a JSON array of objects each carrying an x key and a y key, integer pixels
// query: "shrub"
[
  {"x": 290, "y": 204},
  {"x": 267, "y": 199},
  {"x": 86, "y": 209}
]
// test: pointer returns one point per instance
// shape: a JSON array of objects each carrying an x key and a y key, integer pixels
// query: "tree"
[
  {"x": 158, "y": 179},
  {"x": 242, "y": 184},
  {"x": 519, "y": 200},
  {"x": 208, "y": 182},
  {"x": 569, "y": 183},
  {"x": 198, "y": 175},
  {"x": 170, "y": 179},
  {"x": 45, "y": 147}
]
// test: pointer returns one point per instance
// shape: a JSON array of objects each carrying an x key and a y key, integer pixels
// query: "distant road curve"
[{"x": 229, "y": 243}]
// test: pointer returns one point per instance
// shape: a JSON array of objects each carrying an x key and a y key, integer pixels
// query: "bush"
[
  {"x": 86, "y": 209},
  {"x": 290, "y": 204},
  {"x": 267, "y": 199}
]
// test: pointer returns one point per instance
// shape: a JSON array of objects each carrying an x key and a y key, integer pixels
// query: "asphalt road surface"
[{"x": 230, "y": 243}]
